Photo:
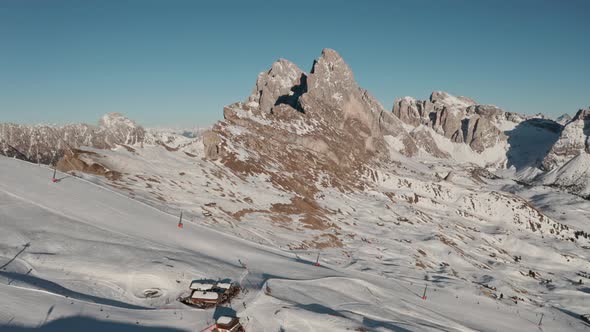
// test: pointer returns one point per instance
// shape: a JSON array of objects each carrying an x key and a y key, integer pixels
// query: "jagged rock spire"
[
  {"x": 331, "y": 78},
  {"x": 283, "y": 83}
]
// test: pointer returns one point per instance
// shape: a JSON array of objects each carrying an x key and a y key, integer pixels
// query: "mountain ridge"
[
  {"x": 325, "y": 108},
  {"x": 444, "y": 192}
]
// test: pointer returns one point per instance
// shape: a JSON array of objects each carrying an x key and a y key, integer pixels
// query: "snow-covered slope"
[
  {"x": 573, "y": 176},
  {"x": 310, "y": 164},
  {"x": 74, "y": 254}
]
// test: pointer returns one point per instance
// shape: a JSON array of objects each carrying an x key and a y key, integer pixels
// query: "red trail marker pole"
[
  {"x": 317, "y": 260},
  {"x": 424, "y": 294},
  {"x": 180, "y": 225}
]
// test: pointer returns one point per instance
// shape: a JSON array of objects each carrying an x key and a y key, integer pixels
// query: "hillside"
[
  {"x": 79, "y": 235},
  {"x": 309, "y": 164}
]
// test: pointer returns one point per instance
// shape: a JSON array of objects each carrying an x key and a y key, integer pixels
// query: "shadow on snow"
[{"x": 86, "y": 324}]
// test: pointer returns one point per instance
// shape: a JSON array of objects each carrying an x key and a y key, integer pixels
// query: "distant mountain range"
[
  {"x": 463, "y": 195},
  {"x": 325, "y": 112}
]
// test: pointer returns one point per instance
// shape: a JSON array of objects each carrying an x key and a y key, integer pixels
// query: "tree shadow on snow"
[{"x": 86, "y": 324}]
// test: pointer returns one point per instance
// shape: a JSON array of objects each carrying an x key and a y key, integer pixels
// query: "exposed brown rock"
[
  {"x": 73, "y": 161},
  {"x": 212, "y": 144}
]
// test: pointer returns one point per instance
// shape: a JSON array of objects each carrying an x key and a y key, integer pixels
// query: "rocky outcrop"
[
  {"x": 46, "y": 144},
  {"x": 574, "y": 140},
  {"x": 302, "y": 130},
  {"x": 212, "y": 145},
  {"x": 282, "y": 84},
  {"x": 448, "y": 122},
  {"x": 84, "y": 161},
  {"x": 409, "y": 110},
  {"x": 460, "y": 119},
  {"x": 482, "y": 134}
]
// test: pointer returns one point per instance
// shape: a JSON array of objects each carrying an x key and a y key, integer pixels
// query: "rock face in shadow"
[
  {"x": 574, "y": 140},
  {"x": 47, "y": 144},
  {"x": 530, "y": 142}
]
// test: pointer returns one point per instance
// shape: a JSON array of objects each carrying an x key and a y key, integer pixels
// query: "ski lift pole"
[{"x": 424, "y": 294}]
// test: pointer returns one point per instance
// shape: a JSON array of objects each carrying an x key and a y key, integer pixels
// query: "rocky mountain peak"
[
  {"x": 447, "y": 99},
  {"x": 490, "y": 112},
  {"x": 114, "y": 119},
  {"x": 573, "y": 140},
  {"x": 582, "y": 115},
  {"x": 304, "y": 129},
  {"x": 283, "y": 83},
  {"x": 331, "y": 78},
  {"x": 459, "y": 119},
  {"x": 114, "y": 129},
  {"x": 563, "y": 119}
]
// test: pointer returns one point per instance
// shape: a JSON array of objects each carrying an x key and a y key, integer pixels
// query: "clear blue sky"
[{"x": 172, "y": 62}]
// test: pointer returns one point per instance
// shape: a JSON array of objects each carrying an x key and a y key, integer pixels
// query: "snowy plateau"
[{"x": 330, "y": 213}]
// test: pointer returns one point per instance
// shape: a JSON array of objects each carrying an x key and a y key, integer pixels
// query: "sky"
[{"x": 178, "y": 63}]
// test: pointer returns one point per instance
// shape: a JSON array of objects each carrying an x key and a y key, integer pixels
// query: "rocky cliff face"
[
  {"x": 306, "y": 130},
  {"x": 540, "y": 150},
  {"x": 46, "y": 144},
  {"x": 324, "y": 114},
  {"x": 459, "y": 119},
  {"x": 574, "y": 140}
]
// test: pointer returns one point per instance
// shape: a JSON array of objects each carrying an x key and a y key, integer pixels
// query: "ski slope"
[{"x": 74, "y": 255}]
